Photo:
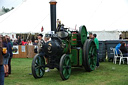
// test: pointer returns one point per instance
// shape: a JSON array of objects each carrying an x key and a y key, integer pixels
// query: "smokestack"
[{"x": 53, "y": 14}]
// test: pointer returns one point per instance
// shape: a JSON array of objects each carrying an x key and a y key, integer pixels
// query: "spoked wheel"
[
  {"x": 89, "y": 55},
  {"x": 65, "y": 67},
  {"x": 38, "y": 66}
]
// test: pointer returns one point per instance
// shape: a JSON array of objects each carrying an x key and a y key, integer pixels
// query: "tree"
[{"x": 7, "y": 9}]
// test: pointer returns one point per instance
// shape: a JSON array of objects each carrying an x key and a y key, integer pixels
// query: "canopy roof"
[{"x": 97, "y": 15}]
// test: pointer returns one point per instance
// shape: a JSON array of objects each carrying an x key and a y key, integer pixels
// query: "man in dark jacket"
[
  {"x": 1, "y": 64},
  {"x": 11, "y": 54}
]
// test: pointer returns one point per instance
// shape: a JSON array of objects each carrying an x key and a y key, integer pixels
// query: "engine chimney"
[{"x": 53, "y": 14}]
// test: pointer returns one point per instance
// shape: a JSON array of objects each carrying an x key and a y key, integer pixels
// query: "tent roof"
[
  {"x": 97, "y": 15},
  {"x": 26, "y": 18}
]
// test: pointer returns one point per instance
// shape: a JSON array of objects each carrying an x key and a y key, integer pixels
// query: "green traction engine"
[{"x": 65, "y": 50}]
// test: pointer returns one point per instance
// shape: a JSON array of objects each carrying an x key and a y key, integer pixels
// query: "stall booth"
[{"x": 23, "y": 51}]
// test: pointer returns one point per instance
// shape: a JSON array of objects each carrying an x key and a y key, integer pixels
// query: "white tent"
[
  {"x": 97, "y": 15},
  {"x": 26, "y": 18},
  {"x": 107, "y": 35}
]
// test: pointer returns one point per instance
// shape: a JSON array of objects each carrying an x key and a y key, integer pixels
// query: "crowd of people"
[
  {"x": 7, "y": 46},
  {"x": 7, "y": 54},
  {"x": 19, "y": 41},
  {"x": 5, "y": 57}
]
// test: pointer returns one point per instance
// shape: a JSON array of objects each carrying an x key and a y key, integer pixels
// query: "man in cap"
[{"x": 40, "y": 43}]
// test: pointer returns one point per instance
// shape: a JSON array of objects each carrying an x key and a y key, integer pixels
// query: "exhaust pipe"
[{"x": 53, "y": 15}]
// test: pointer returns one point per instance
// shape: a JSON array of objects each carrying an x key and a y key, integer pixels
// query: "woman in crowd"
[
  {"x": 30, "y": 42},
  {"x": 6, "y": 56},
  {"x": 124, "y": 49}
]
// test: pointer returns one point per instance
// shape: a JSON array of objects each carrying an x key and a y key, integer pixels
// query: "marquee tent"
[{"x": 97, "y": 15}]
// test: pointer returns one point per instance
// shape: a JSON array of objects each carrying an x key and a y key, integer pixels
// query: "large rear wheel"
[
  {"x": 89, "y": 55},
  {"x": 38, "y": 66},
  {"x": 65, "y": 67}
]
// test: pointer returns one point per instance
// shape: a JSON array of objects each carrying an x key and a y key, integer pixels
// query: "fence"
[{"x": 23, "y": 51}]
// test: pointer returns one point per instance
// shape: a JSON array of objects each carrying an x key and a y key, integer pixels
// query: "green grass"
[{"x": 107, "y": 74}]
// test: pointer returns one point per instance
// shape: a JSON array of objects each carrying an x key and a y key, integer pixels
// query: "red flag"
[{"x": 42, "y": 29}]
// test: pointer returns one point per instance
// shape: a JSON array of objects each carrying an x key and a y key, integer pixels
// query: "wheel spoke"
[
  {"x": 89, "y": 60},
  {"x": 64, "y": 71},
  {"x": 69, "y": 71},
  {"x": 68, "y": 62},
  {"x": 42, "y": 69},
  {"x": 37, "y": 72},
  {"x": 36, "y": 64}
]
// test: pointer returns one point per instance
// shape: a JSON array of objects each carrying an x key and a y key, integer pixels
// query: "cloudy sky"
[{"x": 97, "y": 15}]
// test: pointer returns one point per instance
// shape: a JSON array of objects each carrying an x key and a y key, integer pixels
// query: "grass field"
[{"x": 107, "y": 74}]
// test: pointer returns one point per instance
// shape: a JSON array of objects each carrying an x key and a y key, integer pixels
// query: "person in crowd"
[
  {"x": 120, "y": 37},
  {"x": 13, "y": 38},
  {"x": 22, "y": 42},
  {"x": 25, "y": 43},
  {"x": 46, "y": 38},
  {"x": 22, "y": 39},
  {"x": 90, "y": 35},
  {"x": 9, "y": 49},
  {"x": 97, "y": 46},
  {"x": 6, "y": 36},
  {"x": 30, "y": 42},
  {"x": 1, "y": 63},
  {"x": 58, "y": 25},
  {"x": 6, "y": 56},
  {"x": 58, "y": 22},
  {"x": 15, "y": 42},
  {"x": 35, "y": 42},
  {"x": 118, "y": 47},
  {"x": 123, "y": 49},
  {"x": 11, "y": 41},
  {"x": 19, "y": 40}
]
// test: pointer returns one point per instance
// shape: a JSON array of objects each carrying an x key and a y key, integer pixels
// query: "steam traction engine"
[{"x": 66, "y": 49}]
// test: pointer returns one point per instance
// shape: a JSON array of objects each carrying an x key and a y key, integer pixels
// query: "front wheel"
[
  {"x": 65, "y": 67},
  {"x": 38, "y": 66}
]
